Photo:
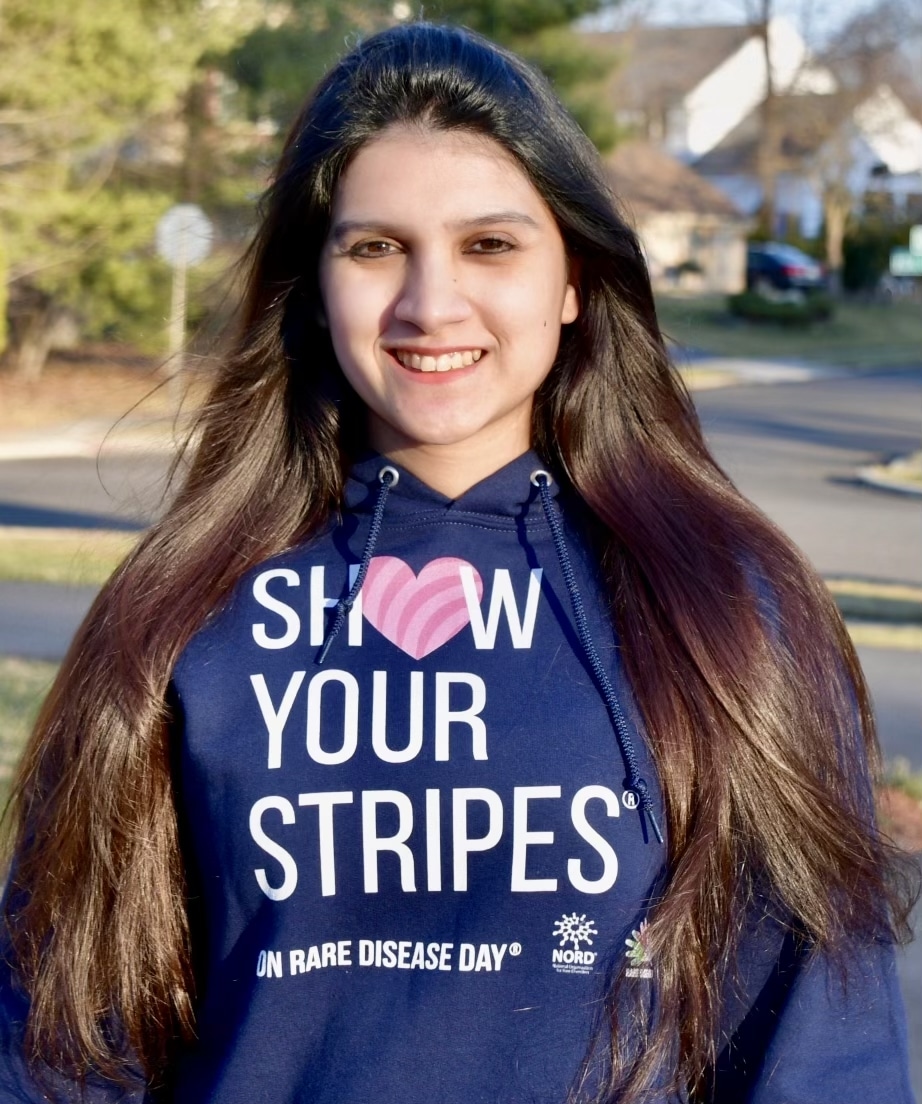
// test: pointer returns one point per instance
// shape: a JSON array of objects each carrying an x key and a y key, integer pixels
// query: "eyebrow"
[{"x": 342, "y": 229}]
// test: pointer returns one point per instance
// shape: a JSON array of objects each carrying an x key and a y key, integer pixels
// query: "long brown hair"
[{"x": 747, "y": 682}]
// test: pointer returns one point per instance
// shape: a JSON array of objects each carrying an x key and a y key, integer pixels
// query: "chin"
[{"x": 436, "y": 436}]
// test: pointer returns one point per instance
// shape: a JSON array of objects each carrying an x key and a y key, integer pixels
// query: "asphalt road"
[
  {"x": 117, "y": 491},
  {"x": 794, "y": 448}
]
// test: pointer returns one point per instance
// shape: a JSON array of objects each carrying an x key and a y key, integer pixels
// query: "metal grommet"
[
  {"x": 536, "y": 474},
  {"x": 392, "y": 472}
]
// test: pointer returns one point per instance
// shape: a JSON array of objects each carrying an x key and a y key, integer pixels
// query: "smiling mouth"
[{"x": 445, "y": 362}]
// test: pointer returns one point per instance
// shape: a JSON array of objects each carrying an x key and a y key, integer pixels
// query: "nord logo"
[{"x": 583, "y": 958}]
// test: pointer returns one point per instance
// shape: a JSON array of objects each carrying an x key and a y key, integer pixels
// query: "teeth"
[{"x": 443, "y": 363}]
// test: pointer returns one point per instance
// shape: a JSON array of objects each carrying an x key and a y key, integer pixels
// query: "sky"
[{"x": 816, "y": 19}]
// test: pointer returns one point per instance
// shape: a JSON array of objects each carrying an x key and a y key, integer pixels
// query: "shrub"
[
  {"x": 866, "y": 251},
  {"x": 801, "y": 311}
]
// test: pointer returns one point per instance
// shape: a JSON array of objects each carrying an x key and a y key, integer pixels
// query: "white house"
[
  {"x": 687, "y": 88},
  {"x": 697, "y": 92},
  {"x": 692, "y": 234},
  {"x": 827, "y": 142}
]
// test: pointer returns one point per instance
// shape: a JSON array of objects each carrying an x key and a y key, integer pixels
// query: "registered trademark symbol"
[
  {"x": 515, "y": 949},
  {"x": 630, "y": 799}
]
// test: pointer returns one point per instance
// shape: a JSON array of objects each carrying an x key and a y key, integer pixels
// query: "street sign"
[
  {"x": 184, "y": 235},
  {"x": 915, "y": 240},
  {"x": 905, "y": 263}
]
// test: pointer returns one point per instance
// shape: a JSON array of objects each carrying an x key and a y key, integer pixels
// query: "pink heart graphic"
[{"x": 418, "y": 613}]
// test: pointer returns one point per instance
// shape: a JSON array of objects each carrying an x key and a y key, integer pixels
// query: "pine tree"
[
  {"x": 89, "y": 90},
  {"x": 277, "y": 64}
]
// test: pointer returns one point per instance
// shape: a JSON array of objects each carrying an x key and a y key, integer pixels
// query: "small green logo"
[{"x": 638, "y": 952}]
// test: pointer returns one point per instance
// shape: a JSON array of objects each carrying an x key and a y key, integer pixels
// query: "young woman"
[{"x": 460, "y": 735}]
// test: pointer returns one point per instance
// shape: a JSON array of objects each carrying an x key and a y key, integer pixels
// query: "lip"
[
  {"x": 431, "y": 378},
  {"x": 435, "y": 350}
]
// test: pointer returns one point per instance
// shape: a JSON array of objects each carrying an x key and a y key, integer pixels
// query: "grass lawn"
[
  {"x": 78, "y": 557},
  {"x": 23, "y": 685},
  {"x": 860, "y": 335}
]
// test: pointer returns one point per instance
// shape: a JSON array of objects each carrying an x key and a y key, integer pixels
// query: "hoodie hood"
[{"x": 507, "y": 493}]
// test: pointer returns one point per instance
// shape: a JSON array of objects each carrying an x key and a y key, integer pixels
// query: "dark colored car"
[{"x": 774, "y": 265}]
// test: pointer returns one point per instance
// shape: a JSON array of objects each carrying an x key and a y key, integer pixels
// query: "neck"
[
  {"x": 449, "y": 473},
  {"x": 453, "y": 469}
]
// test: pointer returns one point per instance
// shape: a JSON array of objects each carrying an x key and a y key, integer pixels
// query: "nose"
[{"x": 432, "y": 296}]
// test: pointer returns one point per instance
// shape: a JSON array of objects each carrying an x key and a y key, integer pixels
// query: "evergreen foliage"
[
  {"x": 90, "y": 95},
  {"x": 282, "y": 58},
  {"x": 113, "y": 110}
]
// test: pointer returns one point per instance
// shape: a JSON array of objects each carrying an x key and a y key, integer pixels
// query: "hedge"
[{"x": 815, "y": 307}]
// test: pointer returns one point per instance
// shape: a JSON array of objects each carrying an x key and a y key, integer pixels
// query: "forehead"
[{"x": 434, "y": 176}]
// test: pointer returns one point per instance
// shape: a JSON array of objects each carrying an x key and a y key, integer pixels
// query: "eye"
[
  {"x": 374, "y": 247},
  {"x": 491, "y": 244}
]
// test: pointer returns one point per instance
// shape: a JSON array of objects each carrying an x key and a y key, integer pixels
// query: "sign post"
[{"x": 184, "y": 237}]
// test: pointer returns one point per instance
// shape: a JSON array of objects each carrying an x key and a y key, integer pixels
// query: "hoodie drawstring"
[
  {"x": 387, "y": 478},
  {"x": 542, "y": 480}
]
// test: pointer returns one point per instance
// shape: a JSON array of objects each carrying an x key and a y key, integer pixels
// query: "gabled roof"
[
  {"x": 648, "y": 181},
  {"x": 661, "y": 65},
  {"x": 805, "y": 123}
]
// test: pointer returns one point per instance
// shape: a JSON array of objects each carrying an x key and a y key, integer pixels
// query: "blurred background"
[{"x": 769, "y": 154}]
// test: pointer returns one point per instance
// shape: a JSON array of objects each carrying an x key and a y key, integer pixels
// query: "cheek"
[
  {"x": 356, "y": 309},
  {"x": 527, "y": 316},
  {"x": 344, "y": 312},
  {"x": 530, "y": 302}
]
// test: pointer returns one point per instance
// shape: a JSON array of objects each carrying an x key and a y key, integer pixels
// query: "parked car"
[{"x": 780, "y": 267}]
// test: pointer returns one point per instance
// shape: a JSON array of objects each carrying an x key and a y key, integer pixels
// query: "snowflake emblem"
[
  {"x": 574, "y": 929},
  {"x": 638, "y": 950}
]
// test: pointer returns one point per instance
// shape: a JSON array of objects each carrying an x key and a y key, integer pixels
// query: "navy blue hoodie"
[{"x": 414, "y": 866}]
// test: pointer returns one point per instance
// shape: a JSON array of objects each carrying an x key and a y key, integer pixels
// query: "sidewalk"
[
  {"x": 701, "y": 373},
  {"x": 91, "y": 436},
  {"x": 882, "y": 614}
]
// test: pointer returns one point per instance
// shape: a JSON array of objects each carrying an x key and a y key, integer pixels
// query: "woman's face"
[{"x": 445, "y": 283}]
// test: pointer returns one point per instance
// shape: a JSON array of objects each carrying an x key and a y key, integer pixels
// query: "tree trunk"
[
  {"x": 200, "y": 115},
  {"x": 837, "y": 206},
  {"x": 38, "y": 328},
  {"x": 29, "y": 353},
  {"x": 768, "y": 142}
]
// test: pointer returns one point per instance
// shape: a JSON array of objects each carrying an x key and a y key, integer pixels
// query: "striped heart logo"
[{"x": 418, "y": 613}]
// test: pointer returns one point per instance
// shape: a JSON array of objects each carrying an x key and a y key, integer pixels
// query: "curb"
[
  {"x": 868, "y": 600},
  {"x": 889, "y": 636},
  {"x": 703, "y": 373},
  {"x": 88, "y": 438},
  {"x": 880, "y": 478}
]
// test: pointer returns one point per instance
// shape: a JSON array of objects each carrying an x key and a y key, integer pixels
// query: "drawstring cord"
[
  {"x": 542, "y": 480},
  {"x": 387, "y": 478}
]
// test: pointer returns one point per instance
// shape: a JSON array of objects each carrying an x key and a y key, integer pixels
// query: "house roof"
[
  {"x": 805, "y": 123},
  {"x": 648, "y": 181},
  {"x": 661, "y": 65}
]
